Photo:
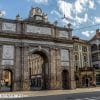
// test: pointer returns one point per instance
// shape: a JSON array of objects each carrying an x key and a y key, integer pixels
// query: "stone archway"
[
  {"x": 7, "y": 80},
  {"x": 38, "y": 70},
  {"x": 65, "y": 78}
]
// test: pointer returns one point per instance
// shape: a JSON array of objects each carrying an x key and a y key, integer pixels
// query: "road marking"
[
  {"x": 92, "y": 98},
  {"x": 11, "y": 96}
]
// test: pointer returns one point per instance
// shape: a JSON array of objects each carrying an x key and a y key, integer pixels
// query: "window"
[
  {"x": 84, "y": 48},
  {"x": 95, "y": 57},
  {"x": 93, "y": 47},
  {"x": 76, "y": 57},
  {"x": 99, "y": 46},
  {"x": 76, "y": 47},
  {"x": 96, "y": 66},
  {"x": 98, "y": 79},
  {"x": 85, "y": 58}
]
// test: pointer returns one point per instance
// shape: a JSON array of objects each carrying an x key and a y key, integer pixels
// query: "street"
[{"x": 76, "y": 96}]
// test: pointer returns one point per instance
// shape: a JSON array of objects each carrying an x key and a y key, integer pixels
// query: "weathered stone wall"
[{"x": 49, "y": 40}]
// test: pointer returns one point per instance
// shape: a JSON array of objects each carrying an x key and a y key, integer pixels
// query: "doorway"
[
  {"x": 65, "y": 77},
  {"x": 86, "y": 81}
]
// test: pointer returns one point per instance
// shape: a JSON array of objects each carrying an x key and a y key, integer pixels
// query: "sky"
[{"x": 84, "y": 15}]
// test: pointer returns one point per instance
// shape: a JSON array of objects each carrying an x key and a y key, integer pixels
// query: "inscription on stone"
[
  {"x": 7, "y": 62},
  {"x": 63, "y": 34},
  {"x": 9, "y": 26},
  {"x": 39, "y": 30}
]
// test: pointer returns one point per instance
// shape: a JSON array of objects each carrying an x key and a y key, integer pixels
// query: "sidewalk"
[{"x": 21, "y": 94}]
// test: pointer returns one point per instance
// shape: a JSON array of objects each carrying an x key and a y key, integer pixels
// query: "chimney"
[{"x": 97, "y": 30}]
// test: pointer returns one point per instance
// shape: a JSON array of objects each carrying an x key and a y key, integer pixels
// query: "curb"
[{"x": 23, "y": 94}]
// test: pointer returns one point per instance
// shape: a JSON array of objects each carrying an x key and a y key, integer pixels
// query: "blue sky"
[{"x": 80, "y": 13}]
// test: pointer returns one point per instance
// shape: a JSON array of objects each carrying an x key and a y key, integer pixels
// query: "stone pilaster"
[
  {"x": 58, "y": 70},
  {"x": 1, "y": 72},
  {"x": 71, "y": 71},
  {"x": 25, "y": 69},
  {"x": 17, "y": 71},
  {"x": 55, "y": 69}
]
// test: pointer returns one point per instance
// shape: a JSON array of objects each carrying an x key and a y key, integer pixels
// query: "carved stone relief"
[
  {"x": 64, "y": 57},
  {"x": 8, "y": 55},
  {"x": 39, "y": 30},
  {"x": 9, "y": 26},
  {"x": 63, "y": 34}
]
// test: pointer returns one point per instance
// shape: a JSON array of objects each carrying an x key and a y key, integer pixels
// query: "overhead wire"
[{"x": 86, "y": 27}]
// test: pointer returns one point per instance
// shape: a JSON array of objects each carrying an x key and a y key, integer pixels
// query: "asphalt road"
[{"x": 76, "y": 96}]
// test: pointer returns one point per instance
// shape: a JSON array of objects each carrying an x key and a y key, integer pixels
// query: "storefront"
[
  {"x": 97, "y": 77},
  {"x": 85, "y": 77}
]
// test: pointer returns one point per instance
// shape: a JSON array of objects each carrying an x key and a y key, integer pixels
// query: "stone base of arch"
[
  {"x": 26, "y": 85},
  {"x": 16, "y": 86}
]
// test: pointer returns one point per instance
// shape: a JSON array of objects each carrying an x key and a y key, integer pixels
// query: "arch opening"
[
  {"x": 7, "y": 80},
  {"x": 38, "y": 71}
]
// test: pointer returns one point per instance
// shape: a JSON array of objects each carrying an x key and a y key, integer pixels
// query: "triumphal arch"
[{"x": 35, "y": 54}]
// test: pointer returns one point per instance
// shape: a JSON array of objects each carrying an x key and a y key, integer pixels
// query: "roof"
[
  {"x": 96, "y": 36},
  {"x": 78, "y": 40}
]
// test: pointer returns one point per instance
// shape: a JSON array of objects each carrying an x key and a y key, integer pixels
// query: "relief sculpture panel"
[
  {"x": 64, "y": 57},
  {"x": 8, "y": 55},
  {"x": 63, "y": 34},
  {"x": 39, "y": 30},
  {"x": 9, "y": 26}
]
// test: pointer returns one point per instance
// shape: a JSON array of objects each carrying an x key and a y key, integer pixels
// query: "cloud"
[
  {"x": 91, "y": 4},
  {"x": 2, "y": 13},
  {"x": 85, "y": 17},
  {"x": 97, "y": 19},
  {"x": 88, "y": 33},
  {"x": 81, "y": 5},
  {"x": 76, "y": 12},
  {"x": 78, "y": 6},
  {"x": 65, "y": 8},
  {"x": 39, "y": 1},
  {"x": 79, "y": 20},
  {"x": 56, "y": 12}
]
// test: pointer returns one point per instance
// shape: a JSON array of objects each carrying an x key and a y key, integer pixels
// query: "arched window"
[{"x": 76, "y": 57}]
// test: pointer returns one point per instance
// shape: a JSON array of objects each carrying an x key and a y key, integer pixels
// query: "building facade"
[
  {"x": 84, "y": 72},
  {"x": 95, "y": 55},
  {"x": 35, "y": 54}
]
